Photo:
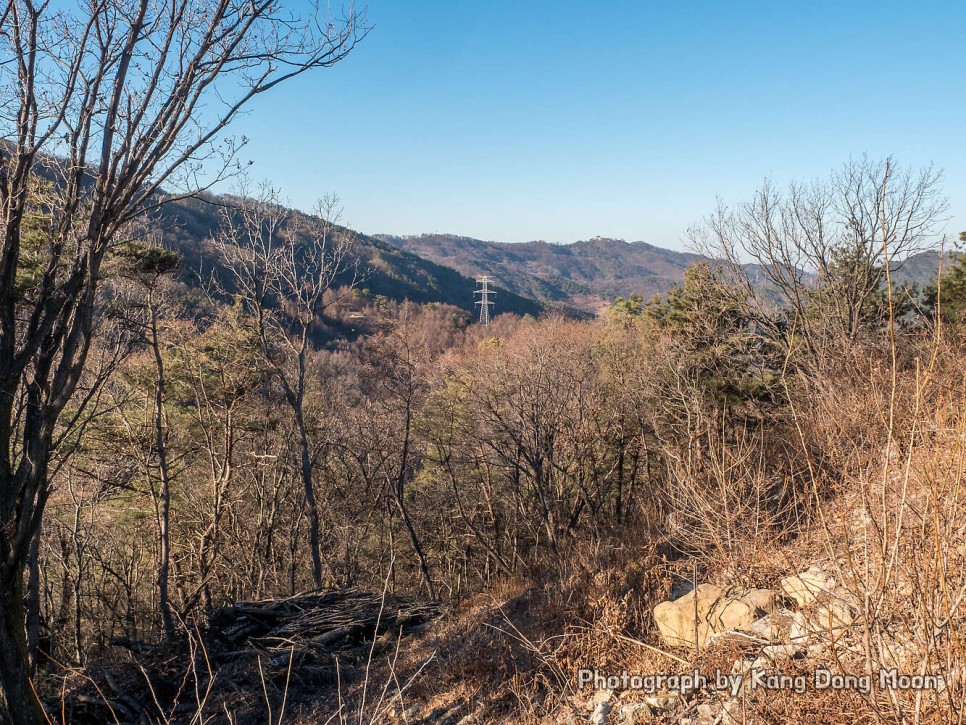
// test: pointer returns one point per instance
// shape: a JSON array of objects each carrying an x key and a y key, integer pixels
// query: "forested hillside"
[
  {"x": 187, "y": 226},
  {"x": 585, "y": 274},
  {"x": 588, "y": 275},
  {"x": 430, "y": 504},
  {"x": 258, "y": 468}
]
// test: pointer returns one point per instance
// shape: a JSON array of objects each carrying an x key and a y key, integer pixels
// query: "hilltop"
[
  {"x": 584, "y": 274},
  {"x": 188, "y": 225},
  {"x": 587, "y": 274}
]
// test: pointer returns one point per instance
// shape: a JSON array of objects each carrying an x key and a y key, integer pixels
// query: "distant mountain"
[
  {"x": 530, "y": 278},
  {"x": 586, "y": 274},
  {"x": 188, "y": 225},
  {"x": 922, "y": 268}
]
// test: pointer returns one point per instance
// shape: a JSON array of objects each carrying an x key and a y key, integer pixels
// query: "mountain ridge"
[
  {"x": 586, "y": 274},
  {"x": 187, "y": 226}
]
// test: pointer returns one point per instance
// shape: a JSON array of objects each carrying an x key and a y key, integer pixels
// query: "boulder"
[
  {"x": 601, "y": 714},
  {"x": 809, "y": 586},
  {"x": 833, "y": 616},
  {"x": 774, "y": 627},
  {"x": 709, "y": 609}
]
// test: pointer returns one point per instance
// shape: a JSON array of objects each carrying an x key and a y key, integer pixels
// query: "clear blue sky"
[{"x": 563, "y": 120}]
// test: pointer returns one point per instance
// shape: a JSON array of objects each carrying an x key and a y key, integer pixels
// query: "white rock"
[
  {"x": 601, "y": 714},
  {"x": 710, "y": 609},
  {"x": 806, "y": 588}
]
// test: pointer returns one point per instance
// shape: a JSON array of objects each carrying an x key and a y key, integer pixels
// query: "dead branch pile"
[
  {"x": 309, "y": 626},
  {"x": 301, "y": 636}
]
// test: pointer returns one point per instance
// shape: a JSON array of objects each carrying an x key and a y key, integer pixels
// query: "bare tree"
[
  {"x": 110, "y": 103},
  {"x": 147, "y": 266},
  {"x": 281, "y": 267},
  {"x": 400, "y": 361},
  {"x": 820, "y": 243}
]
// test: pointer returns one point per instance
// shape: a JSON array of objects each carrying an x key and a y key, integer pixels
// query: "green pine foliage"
[
  {"x": 951, "y": 293},
  {"x": 731, "y": 358}
]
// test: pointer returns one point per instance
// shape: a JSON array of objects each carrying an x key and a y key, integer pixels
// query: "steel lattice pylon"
[{"x": 484, "y": 302}]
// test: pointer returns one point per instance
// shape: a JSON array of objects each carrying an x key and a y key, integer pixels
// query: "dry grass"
[
  {"x": 864, "y": 477},
  {"x": 886, "y": 518}
]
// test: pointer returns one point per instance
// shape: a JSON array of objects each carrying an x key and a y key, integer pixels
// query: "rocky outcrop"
[
  {"x": 810, "y": 621},
  {"x": 808, "y": 587},
  {"x": 708, "y": 609}
]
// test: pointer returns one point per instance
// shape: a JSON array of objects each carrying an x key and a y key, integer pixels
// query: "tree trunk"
[
  {"x": 417, "y": 547},
  {"x": 18, "y": 704},
  {"x": 399, "y": 495},
  {"x": 33, "y": 601},
  {"x": 310, "y": 502},
  {"x": 619, "y": 505},
  {"x": 164, "y": 516}
]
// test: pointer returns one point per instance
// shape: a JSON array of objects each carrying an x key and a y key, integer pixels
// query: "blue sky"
[{"x": 562, "y": 120}]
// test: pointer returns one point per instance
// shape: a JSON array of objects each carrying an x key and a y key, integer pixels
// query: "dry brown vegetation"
[
  {"x": 169, "y": 452},
  {"x": 550, "y": 480}
]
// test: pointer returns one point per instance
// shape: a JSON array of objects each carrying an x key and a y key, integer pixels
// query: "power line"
[{"x": 484, "y": 302}]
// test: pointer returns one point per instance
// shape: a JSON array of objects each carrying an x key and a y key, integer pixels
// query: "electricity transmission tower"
[{"x": 484, "y": 302}]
